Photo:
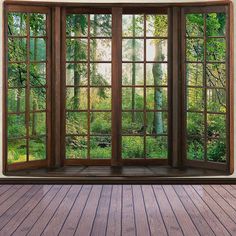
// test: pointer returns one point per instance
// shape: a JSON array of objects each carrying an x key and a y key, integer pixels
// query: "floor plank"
[{"x": 50, "y": 210}]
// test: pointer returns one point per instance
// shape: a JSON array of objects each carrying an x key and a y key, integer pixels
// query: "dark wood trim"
[{"x": 27, "y": 165}]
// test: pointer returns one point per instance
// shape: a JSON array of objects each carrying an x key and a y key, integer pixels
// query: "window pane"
[
  {"x": 100, "y": 98},
  {"x": 194, "y": 25},
  {"x": 194, "y": 74},
  {"x": 157, "y": 122},
  {"x": 37, "y": 99},
  {"x": 100, "y": 25},
  {"x": 132, "y": 98},
  {"x": 216, "y": 49},
  {"x": 37, "y": 149},
  {"x": 16, "y": 126},
  {"x": 17, "y": 24},
  {"x": 132, "y": 25},
  {"x": 216, "y": 100},
  {"x": 156, "y": 50},
  {"x": 77, "y": 98},
  {"x": 216, "y": 24},
  {"x": 100, "y": 49},
  {"x": 16, "y": 75},
  {"x": 156, "y": 147},
  {"x": 195, "y": 124},
  {"x": 195, "y": 99},
  {"x": 100, "y": 147},
  {"x": 194, "y": 49},
  {"x": 37, "y": 124},
  {"x": 132, "y": 74},
  {"x": 156, "y": 98},
  {"x": 195, "y": 148},
  {"x": 156, "y": 74},
  {"x": 100, "y": 74},
  {"x": 100, "y": 123},
  {"x": 17, "y": 49},
  {"x": 133, "y": 123},
  {"x": 157, "y": 25},
  {"x": 76, "y": 49},
  {"x": 76, "y": 123},
  {"x": 76, "y": 25},
  {"x": 37, "y": 49},
  {"x": 132, "y": 49},
  {"x": 76, "y": 147},
  {"x": 37, "y": 24},
  {"x": 216, "y": 150},
  {"x": 16, "y": 151},
  {"x": 216, "y": 125},
  {"x": 37, "y": 74},
  {"x": 132, "y": 147},
  {"x": 216, "y": 75},
  {"x": 16, "y": 100},
  {"x": 76, "y": 74}
]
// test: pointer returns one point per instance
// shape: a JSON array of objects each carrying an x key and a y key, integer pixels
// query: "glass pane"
[
  {"x": 132, "y": 98},
  {"x": 76, "y": 147},
  {"x": 157, "y": 25},
  {"x": 37, "y": 49},
  {"x": 215, "y": 24},
  {"x": 156, "y": 50},
  {"x": 133, "y": 123},
  {"x": 16, "y": 75},
  {"x": 76, "y": 49},
  {"x": 100, "y": 123},
  {"x": 194, "y": 25},
  {"x": 216, "y": 100},
  {"x": 132, "y": 147},
  {"x": 100, "y": 74},
  {"x": 17, "y": 49},
  {"x": 38, "y": 74},
  {"x": 195, "y": 148},
  {"x": 37, "y": 125},
  {"x": 37, "y": 149},
  {"x": 16, "y": 126},
  {"x": 216, "y": 49},
  {"x": 216, "y": 75},
  {"x": 100, "y": 25},
  {"x": 194, "y": 49},
  {"x": 100, "y": 147},
  {"x": 156, "y": 74},
  {"x": 16, "y": 100},
  {"x": 100, "y": 49},
  {"x": 216, "y": 150},
  {"x": 77, "y": 98},
  {"x": 37, "y": 24},
  {"x": 77, "y": 25},
  {"x": 37, "y": 99},
  {"x": 132, "y": 74},
  {"x": 76, "y": 123},
  {"x": 132, "y": 25},
  {"x": 100, "y": 98},
  {"x": 195, "y": 124},
  {"x": 16, "y": 151},
  {"x": 156, "y": 98},
  {"x": 156, "y": 147},
  {"x": 157, "y": 122},
  {"x": 132, "y": 49},
  {"x": 76, "y": 74},
  {"x": 195, "y": 99},
  {"x": 216, "y": 125},
  {"x": 17, "y": 24},
  {"x": 194, "y": 74}
]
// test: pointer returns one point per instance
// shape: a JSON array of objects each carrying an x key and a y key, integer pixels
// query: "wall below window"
[{"x": 121, "y": 1}]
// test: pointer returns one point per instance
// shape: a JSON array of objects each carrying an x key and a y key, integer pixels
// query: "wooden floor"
[{"x": 117, "y": 210}]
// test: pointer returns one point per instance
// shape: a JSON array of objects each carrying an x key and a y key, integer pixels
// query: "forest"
[{"x": 144, "y": 86}]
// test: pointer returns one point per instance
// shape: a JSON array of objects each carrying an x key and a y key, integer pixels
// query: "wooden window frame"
[{"x": 176, "y": 82}]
